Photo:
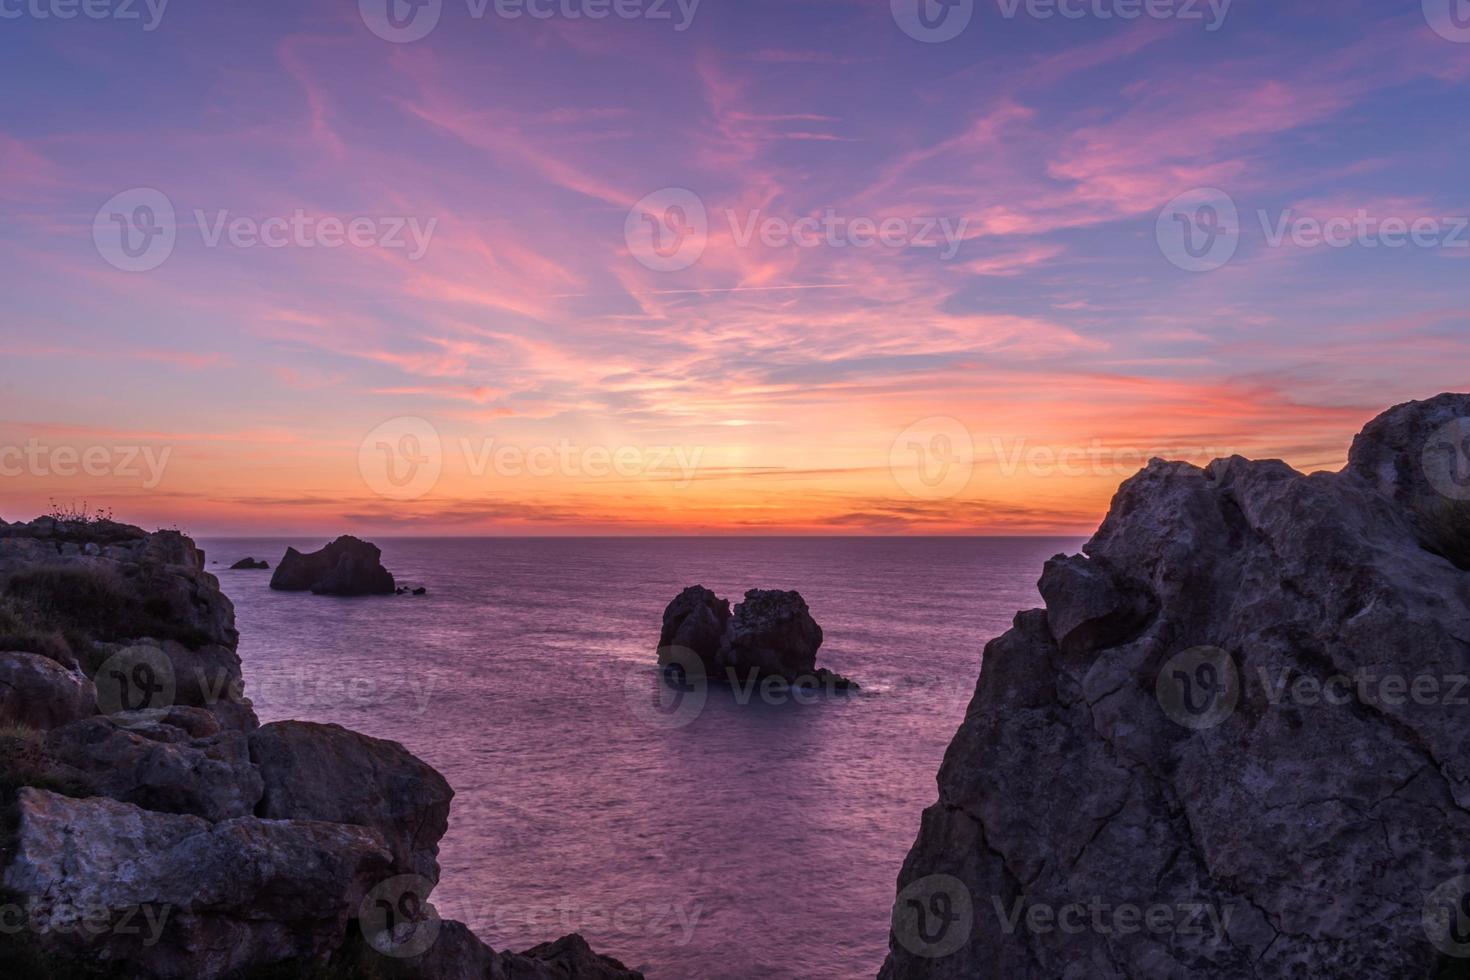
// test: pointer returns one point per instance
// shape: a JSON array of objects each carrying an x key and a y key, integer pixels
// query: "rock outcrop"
[
  {"x": 347, "y": 567},
  {"x": 249, "y": 565},
  {"x": 151, "y": 828},
  {"x": 1233, "y": 744},
  {"x": 770, "y": 634}
]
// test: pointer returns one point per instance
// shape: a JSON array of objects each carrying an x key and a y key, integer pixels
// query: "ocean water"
[{"x": 740, "y": 840}]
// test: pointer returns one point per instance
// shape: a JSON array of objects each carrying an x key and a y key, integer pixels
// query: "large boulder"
[
  {"x": 1233, "y": 744},
  {"x": 770, "y": 636},
  {"x": 162, "y": 766},
  {"x": 327, "y": 772},
  {"x": 347, "y": 567},
  {"x": 38, "y": 692},
  {"x": 771, "y": 633},
  {"x": 179, "y": 897},
  {"x": 694, "y": 621}
]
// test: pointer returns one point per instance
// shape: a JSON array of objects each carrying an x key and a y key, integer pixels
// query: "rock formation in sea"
[
  {"x": 1232, "y": 744},
  {"x": 770, "y": 634},
  {"x": 149, "y": 825},
  {"x": 347, "y": 567},
  {"x": 249, "y": 565}
]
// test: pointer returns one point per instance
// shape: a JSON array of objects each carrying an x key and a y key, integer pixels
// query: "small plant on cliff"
[{"x": 70, "y": 513}]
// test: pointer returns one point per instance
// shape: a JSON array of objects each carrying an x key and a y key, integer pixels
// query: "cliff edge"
[{"x": 1233, "y": 743}]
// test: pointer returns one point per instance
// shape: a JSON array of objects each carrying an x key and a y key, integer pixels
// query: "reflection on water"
[{"x": 744, "y": 840}]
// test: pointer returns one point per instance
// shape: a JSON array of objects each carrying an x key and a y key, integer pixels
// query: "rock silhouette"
[
  {"x": 1213, "y": 722},
  {"x": 136, "y": 780},
  {"x": 347, "y": 567},
  {"x": 770, "y": 634}
]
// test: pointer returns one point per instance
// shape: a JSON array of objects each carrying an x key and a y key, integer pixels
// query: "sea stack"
[
  {"x": 347, "y": 567},
  {"x": 770, "y": 634}
]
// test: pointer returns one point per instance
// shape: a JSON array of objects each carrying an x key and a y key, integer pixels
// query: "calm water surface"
[{"x": 759, "y": 840}]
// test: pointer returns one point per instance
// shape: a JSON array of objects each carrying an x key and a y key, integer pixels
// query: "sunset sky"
[{"x": 1024, "y": 336}]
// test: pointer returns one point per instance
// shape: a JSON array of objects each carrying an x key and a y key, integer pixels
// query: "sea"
[{"x": 741, "y": 834}]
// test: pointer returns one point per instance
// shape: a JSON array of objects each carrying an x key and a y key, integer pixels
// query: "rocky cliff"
[
  {"x": 151, "y": 827},
  {"x": 1233, "y": 743}
]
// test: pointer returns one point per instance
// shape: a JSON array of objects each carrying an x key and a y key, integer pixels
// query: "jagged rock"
[
  {"x": 695, "y": 621},
  {"x": 346, "y": 567},
  {"x": 1087, "y": 608},
  {"x": 770, "y": 635},
  {"x": 249, "y": 565},
  {"x": 326, "y": 772},
  {"x": 160, "y": 766},
  {"x": 252, "y": 852},
  {"x": 456, "y": 954},
  {"x": 1225, "y": 748},
  {"x": 38, "y": 692},
  {"x": 200, "y": 900},
  {"x": 568, "y": 958}
]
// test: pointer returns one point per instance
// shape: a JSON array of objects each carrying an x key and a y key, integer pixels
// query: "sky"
[{"x": 728, "y": 266}]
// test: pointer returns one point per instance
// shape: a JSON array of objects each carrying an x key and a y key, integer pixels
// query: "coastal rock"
[
  {"x": 162, "y": 767},
  {"x": 38, "y": 692},
  {"x": 249, "y": 564},
  {"x": 184, "y": 898},
  {"x": 1236, "y": 718},
  {"x": 695, "y": 621},
  {"x": 327, "y": 772},
  {"x": 458, "y": 955},
  {"x": 770, "y": 635},
  {"x": 138, "y": 791},
  {"x": 346, "y": 567}
]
